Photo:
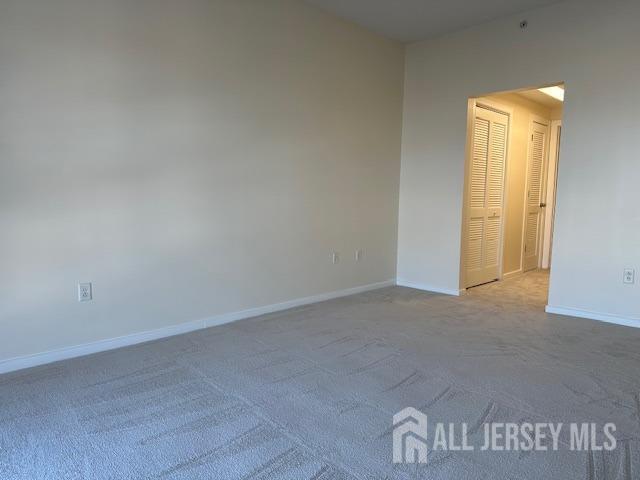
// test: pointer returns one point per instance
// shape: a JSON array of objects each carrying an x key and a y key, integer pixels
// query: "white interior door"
[
  {"x": 485, "y": 197},
  {"x": 534, "y": 207}
]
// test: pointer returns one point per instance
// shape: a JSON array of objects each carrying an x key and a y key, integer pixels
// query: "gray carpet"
[{"x": 309, "y": 393}]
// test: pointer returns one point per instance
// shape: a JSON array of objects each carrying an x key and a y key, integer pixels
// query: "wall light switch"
[
  {"x": 85, "y": 293},
  {"x": 629, "y": 276},
  {"x": 335, "y": 257},
  {"x": 358, "y": 255}
]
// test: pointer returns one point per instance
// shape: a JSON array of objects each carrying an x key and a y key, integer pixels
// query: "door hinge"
[{"x": 525, "y": 249}]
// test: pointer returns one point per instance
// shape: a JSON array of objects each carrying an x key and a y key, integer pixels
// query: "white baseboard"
[
  {"x": 428, "y": 288},
  {"x": 277, "y": 307},
  {"x": 515, "y": 273},
  {"x": 27, "y": 361},
  {"x": 602, "y": 317}
]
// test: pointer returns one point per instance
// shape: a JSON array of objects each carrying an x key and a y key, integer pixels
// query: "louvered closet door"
[
  {"x": 485, "y": 197},
  {"x": 535, "y": 188}
]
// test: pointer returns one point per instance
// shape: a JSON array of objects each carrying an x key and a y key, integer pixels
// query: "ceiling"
[
  {"x": 540, "y": 98},
  {"x": 411, "y": 20}
]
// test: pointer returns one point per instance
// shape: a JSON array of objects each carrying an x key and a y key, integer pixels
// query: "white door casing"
[{"x": 552, "y": 176}]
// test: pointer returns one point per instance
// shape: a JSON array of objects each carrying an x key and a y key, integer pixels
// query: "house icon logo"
[{"x": 410, "y": 436}]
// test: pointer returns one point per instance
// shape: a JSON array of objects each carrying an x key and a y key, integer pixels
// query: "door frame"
[
  {"x": 533, "y": 118},
  {"x": 555, "y": 133},
  {"x": 472, "y": 105}
]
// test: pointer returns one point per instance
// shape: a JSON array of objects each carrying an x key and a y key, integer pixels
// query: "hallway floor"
[
  {"x": 310, "y": 393},
  {"x": 530, "y": 290}
]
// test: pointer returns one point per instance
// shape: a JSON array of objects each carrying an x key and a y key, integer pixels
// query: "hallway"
[{"x": 530, "y": 289}]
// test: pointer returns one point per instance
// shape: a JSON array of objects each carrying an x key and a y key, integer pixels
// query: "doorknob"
[{"x": 542, "y": 205}]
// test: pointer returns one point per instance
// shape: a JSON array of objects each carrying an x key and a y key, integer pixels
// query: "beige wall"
[
  {"x": 590, "y": 45},
  {"x": 556, "y": 113},
  {"x": 190, "y": 158},
  {"x": 516, "y": 178}
]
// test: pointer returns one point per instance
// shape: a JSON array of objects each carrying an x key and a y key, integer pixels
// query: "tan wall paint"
[
  {"x": 516, "y": 179},
  {"x": 190, "y": 158},
  {"x": 557, "y": 113}
]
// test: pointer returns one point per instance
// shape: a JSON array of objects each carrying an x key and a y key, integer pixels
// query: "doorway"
[{"x": 512, "y": 150}]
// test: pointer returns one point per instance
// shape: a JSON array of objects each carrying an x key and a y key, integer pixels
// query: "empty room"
[{"x": 319, "y": 239}]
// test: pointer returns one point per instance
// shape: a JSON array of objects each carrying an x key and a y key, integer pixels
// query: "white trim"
[
  {"x": 552, "y": 184},
  {"x": 602, "y": 317},
  {"x": 27, "y": 361},
  {"x": 428, "y": 288},
  {"x": 277, "y": 307},
  {"x": 33, "y": 360},
  {"x": 515, "y": 273}
]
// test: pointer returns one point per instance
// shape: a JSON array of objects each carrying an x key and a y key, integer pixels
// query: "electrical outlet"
[
  {"x": 335, "y": 257},
  {"x": 85, "y": 293},
  {"x": 358, "y": 255},
  {"x": 629, "y": 276}
]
